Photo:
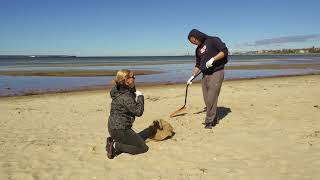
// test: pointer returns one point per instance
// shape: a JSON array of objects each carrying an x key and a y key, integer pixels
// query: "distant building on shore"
[{"x": 312, "y": 50}]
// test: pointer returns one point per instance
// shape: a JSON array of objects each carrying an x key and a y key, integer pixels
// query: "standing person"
[
  {"x": 211, "y": 56},
  {"x": 127, "y": 103}
]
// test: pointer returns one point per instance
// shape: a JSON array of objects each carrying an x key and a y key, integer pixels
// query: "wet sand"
[
  {"x": 269, "y": 129},
  {"x": 90, "y": 73},
  {"x": 72, "y": 73}
]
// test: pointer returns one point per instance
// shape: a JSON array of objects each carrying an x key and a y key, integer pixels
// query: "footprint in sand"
[
  {"x": 153, "y": 98},
  {"x": 38, "y": 175}
]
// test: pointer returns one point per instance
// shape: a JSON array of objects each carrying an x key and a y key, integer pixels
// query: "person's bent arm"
[
  {"x": 221, "y": 46},
  {"x": 136, "y": 108},
  {"x": 216, "y": 58},
  {"x": 219, "y": 56}
]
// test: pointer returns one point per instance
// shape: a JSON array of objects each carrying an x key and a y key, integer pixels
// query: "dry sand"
[{"x": 270, "y": 129}]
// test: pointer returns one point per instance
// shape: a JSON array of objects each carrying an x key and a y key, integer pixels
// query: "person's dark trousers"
[
  {"x": 128, "y": 141},
  {"x": 211, "y": 85}
]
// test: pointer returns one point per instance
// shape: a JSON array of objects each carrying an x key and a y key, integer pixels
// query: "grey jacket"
[{"x": 124, "y": 107}]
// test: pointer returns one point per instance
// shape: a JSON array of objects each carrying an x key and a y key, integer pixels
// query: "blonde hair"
[{"x": 122, "y": 75}]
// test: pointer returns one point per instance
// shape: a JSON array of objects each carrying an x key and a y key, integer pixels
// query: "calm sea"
[{"x": 172, "y": 73}]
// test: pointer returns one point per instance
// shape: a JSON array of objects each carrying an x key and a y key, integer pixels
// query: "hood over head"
[{"x": 198, "y": 35}]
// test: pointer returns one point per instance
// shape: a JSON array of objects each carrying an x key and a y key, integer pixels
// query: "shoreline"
[
  {"x": 123, "y": 63},
  {"x": 140, "y": 85},
  {"x": 73, "y": 73},
  {"x": 93, "y": 73}
]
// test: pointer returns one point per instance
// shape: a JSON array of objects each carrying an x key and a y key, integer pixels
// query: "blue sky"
[{"x": 122, "y": 28}]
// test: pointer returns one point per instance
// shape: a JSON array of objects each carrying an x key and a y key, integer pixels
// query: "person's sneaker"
[
  {"x": 209, "y": 125},
  {"x": 110, "y": 149},
  {"x": 216, "y": 120},
  {"x": 214, "y": 123}
]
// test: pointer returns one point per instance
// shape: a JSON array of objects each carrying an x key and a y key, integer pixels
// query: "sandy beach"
[{"x": 269, "y": 129}]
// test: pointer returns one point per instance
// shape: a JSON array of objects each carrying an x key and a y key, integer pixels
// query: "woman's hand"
[{"x": 138, "y": 93}]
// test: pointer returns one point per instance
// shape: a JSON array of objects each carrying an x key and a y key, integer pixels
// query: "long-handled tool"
[{"x": 175, "y": 113}]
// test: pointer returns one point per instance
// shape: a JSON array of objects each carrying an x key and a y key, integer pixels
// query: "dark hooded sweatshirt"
[
  {"x": 124, "y": 107},
  {"x": 210, "y": 46}
]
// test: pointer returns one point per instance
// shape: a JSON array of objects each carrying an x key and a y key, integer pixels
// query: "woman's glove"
[{"x": 138, "y": 93}]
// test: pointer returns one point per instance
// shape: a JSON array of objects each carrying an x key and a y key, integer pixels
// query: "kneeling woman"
[{"x": 127, "y": 103}]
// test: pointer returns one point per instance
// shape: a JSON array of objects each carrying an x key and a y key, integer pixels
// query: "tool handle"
[
  {"x": 185, "y": 97},
  {"x": 196, "y": 75}
]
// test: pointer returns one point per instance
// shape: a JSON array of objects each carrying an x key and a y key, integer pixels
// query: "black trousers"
[{"x": 128, "y": 141}]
